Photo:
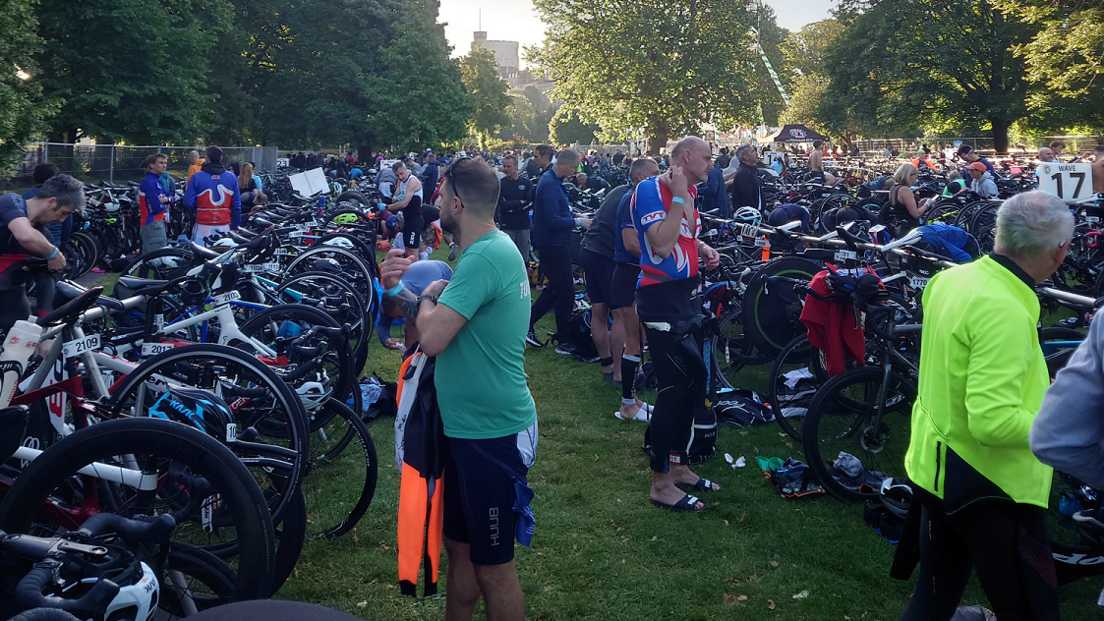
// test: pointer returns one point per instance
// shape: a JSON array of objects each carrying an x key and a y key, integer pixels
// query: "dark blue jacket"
[
  {"x": 713, "y": 192},
  {"x": 431, "y": 173},
  {"x": 552, "y": 217}
]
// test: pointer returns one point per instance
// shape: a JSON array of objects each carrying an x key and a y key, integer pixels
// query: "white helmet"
[
  {"x": 747, "y": 215},
  {"x": 340, "y": 242},
  {"x": 313, "y": 395},
  {"x": 137, "y": 601}
]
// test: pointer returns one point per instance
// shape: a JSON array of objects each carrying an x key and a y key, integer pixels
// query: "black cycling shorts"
[
  {"x": 623, "y": 288},
  {"x": 413, "y": 223},
  {"x": 598, "y": 271},
  {"x": 479, "y": 494}
]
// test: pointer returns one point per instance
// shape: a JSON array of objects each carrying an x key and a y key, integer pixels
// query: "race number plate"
[
  {"x": 846, "y": 255},
  {"x": 281, "y": 252},
  {"x": 272, "y": 266},
  {"x": 1069, "y": 182},
  {"x": 75, "y": 348},
  {"x": 152, "y": 349},
  {"x": 226, "y": 298},
  {"x": 918, "y": 282}
]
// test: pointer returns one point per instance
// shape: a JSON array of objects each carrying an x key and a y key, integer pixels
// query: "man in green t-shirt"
[{"x": 475, "y": 325}]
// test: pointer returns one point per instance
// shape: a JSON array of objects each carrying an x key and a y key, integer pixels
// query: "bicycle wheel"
[
  {"x": 272, "y": 438},
  {"x": 1075, "y": 555},
  {"x": 796, "y": 376},
  {"x": 291, "y": 320},
  {"x": 733, "y": 350},
  {"x": 337, "y": 298},
  {"x": 162, "y": 264},
  {"x": 343, "y": 473},
  {"x": 191, "y": 476},
  {"x": 843, "y": 418}
]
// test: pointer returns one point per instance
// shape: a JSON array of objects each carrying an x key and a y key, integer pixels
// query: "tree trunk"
[
  {"x": 657, "y": 135},
  {"x": 1000, "y": 135}
]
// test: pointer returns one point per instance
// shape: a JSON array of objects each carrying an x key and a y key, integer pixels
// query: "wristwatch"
[{"x": 431, "y": 298}]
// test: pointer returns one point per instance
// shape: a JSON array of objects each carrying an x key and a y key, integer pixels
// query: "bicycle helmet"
[
  {"x": 203, "y": 410},
  {"x": 340, "y": 242},
  {"x": 313, "y": 395},
  {"x": 137, "y": 601},
  {"x": 896, "y": 495},
  {"x": 346, "y": 218},
  {"x": 747, "y": 215}
]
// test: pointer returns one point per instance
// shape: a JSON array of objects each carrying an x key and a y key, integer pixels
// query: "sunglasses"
[{"x": 449, "y": 173}]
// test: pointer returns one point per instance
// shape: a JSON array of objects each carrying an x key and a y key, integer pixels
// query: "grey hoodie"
[{"x": 1068, "y": 433}]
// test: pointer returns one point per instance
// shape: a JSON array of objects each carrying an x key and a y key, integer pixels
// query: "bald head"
[
  {"x": 1046, "y": 154},
  {"x": 694, "y": 156}
]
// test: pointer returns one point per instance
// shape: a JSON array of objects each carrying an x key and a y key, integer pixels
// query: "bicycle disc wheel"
[
  {"x": 276, "y": 449},
  {"x": 173, "y": 469},
  {"x": 343, "y": 473},
  {"x": 843, "y": 418}
]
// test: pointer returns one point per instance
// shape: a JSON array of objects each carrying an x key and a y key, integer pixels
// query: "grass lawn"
[{"x": 602, "y": 551}]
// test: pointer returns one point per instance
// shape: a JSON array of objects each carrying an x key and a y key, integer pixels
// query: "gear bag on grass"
[{"x": 703, "y": 437}]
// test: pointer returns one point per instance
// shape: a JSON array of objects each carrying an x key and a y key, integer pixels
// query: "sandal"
[
  {"x": 684, "y": 505},
  {"x": 642, "y": 415},
  {"x": 704, "y": 485}
]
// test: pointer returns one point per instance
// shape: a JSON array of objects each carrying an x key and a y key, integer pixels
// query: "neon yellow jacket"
[{"x": 982, "y": 380}]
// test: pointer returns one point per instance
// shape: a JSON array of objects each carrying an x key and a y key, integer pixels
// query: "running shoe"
[
  {"x": 567, "y": 349},
  {"x": 531, "y": 338}
]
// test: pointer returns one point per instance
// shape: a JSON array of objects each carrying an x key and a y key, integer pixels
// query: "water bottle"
[{"x": 18, "y": 347}]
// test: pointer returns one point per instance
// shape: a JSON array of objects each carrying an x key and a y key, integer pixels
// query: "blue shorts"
[{"x": 481, "y": 493}]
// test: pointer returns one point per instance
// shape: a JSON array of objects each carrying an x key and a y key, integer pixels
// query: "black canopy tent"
[{"x": 795, "y": 133}]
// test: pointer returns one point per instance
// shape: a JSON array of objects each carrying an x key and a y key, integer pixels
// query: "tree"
[
  {"x": 810, "y": 104},
  {"x": 657, "y": 67},
  {"x": 488, "y": 91},
  {"x": 1063, "y": 61},
  {"x": 422, "y": 97},
  {"x": 131, "y": 70},
  {"x": 771, "y": 37},
  {"x": 21, "y": 107},
  {"x": 523, "y": 119},
  {"x": 567, "y": 128},
  {"x": 935, "y": 64}
]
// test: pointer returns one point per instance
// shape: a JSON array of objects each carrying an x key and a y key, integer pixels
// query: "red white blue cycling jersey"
[{"x": 651, "y": 202}]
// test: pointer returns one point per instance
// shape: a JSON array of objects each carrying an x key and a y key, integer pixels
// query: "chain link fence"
[{"x": 120, "y": 163}]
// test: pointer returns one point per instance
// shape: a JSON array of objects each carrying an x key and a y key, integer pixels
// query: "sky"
[{"x": 515, "y": 20}]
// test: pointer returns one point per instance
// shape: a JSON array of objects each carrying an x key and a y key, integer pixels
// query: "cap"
[{"x": 976, "y": 166}]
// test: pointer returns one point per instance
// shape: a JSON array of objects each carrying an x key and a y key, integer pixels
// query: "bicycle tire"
[
  {"x": 265, "y": 326},
  {"x": 732, "y": 350},
  {"x": 334, "y": 483},
  {"x": 209, "y": 465},
  {"x": 331, "y": 287},
  {"x": 818, "y": 429},
  {"x": 362, "y": 280},
  {"x": 143, "y": 266},
  {"x": 797, "y": 354},
  {"x": 284, "y": 421}
]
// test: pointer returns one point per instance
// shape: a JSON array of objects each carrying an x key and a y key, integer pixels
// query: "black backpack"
[
  {"x": 578, "y": 334},
  {"x": 703, "y": 437}
]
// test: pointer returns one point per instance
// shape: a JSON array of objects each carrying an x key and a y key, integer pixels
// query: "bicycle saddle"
[
  {"x": 71, "y": 290},
  {"x": 141, "y": 286}
]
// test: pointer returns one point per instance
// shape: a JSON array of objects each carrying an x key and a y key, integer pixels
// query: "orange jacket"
[{"x": 194, "y": 168}]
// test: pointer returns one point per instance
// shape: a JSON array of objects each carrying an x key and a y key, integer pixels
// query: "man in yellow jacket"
[{"x": 982, "y": 379}]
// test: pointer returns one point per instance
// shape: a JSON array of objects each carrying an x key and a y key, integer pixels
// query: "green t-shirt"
[{"x": 480, "y": 377}]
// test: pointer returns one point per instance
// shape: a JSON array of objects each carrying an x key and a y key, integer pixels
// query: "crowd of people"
[{"x": 985, "y": 422}]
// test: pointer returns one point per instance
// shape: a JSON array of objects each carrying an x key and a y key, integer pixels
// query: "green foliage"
[
  {"x": 488, "y": 92},
  {"x": 764, "y": 92},
  {"x": 654, "y": 67},
  {"x": 904, "y": 65},
  {"x": 567, "y": 128},
  {"x": 21, "y": 107},
  {"x": 804, "y": 53},
  {"x": 1063, "y": 62},
  {"x": 530, "y": 113},
  {"x": 132, "y": 70},
  {"x": 422, "y": 98}
]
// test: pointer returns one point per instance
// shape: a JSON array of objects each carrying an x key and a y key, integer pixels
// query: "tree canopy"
[
  {"x": 488, "y": 92},
  {"x": 660, "y": 67}
]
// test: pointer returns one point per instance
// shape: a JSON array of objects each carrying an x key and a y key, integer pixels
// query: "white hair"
[
  {"x": 1033, "y": 224},
  {"x": 581, "y": 176}
]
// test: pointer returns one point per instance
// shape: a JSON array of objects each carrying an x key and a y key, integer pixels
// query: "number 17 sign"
[{"x": 1069, "y": 182}]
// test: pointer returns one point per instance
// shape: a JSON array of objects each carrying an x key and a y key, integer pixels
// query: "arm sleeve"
[
  {"x": 383, "y": 327},
  {"x": 190, "y": 194},
  {"x": 471, "y": 287},
  {"x": 995, "y": 373},
  {"x": 235, "y": 205},
  {"x": 1068, "y": 433}
]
